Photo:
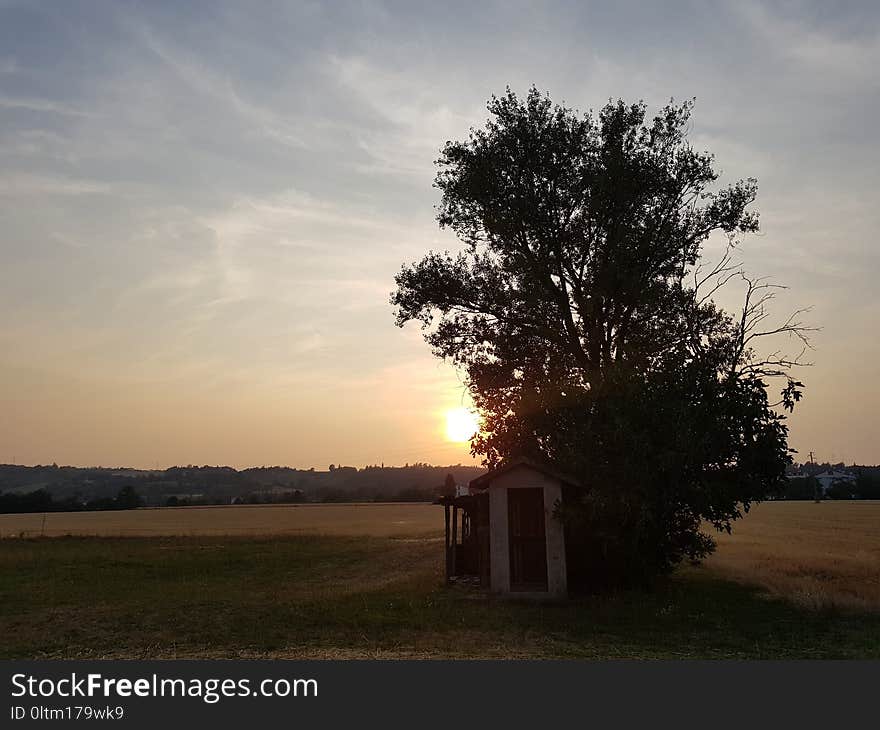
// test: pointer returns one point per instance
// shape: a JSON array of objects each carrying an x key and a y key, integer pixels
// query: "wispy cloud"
[
  {"x": 416, "y": 118},
  {"x": 202, "y": 79},
  {"x": 36, "y": 185},
  {"x": 41, "y": 105}
]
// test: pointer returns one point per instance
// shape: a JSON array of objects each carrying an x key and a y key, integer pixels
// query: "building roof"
[
  {"x": 483, "y": 481},
  {"x": 835, "y": 474}
]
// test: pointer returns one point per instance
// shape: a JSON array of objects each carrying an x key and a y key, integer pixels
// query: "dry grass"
[
  {"x": 376, "y": 520},
  {"x": 364, "y": 597},
  {"x": 820, "y": 556}
]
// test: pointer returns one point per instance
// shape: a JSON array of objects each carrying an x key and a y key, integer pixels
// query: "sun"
[{"x": 461, "y": 424}]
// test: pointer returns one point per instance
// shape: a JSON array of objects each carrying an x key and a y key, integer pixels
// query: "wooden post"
[
  {"x": 454, "y": 535},
  {"x": 446, "y": 542}
]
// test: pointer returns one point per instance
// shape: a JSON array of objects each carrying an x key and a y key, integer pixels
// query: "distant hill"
[{"x": 224, "y": 485}]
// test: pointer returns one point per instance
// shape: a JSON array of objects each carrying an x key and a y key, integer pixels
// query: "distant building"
[{"x": 827, "y": 478}]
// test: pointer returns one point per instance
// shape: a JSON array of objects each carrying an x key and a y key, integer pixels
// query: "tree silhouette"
[
  {"x": 582, "y": 314},
  {"x": 128, "y": 498}
]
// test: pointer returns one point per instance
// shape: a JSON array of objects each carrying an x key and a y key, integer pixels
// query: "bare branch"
[{"x": 759, "y": 293}]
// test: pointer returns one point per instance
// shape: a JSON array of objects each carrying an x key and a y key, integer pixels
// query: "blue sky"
[{"x": 204, "y": 205}]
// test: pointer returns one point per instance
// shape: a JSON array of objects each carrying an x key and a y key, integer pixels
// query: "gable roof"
[{"x": 483, "y": 481}]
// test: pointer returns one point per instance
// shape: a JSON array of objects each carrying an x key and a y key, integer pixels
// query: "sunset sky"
[{"x": 204, "y": 205}]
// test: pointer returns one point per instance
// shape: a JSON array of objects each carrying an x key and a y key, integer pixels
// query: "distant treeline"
[
  {"x": 67, "y": 488},
  {"x": 813, "y": 468},
  {"x": 40, "y": 500}
]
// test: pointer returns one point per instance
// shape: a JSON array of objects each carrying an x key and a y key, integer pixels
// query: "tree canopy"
[{"x": 581, "y": 312}]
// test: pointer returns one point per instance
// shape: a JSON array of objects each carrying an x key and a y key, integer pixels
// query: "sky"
[{"x": 204, "y": 205}]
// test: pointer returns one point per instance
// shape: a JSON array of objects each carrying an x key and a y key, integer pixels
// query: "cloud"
[
  {"x": 306, "y": 251},
  {"x": 37, "y": 185},
  {"x": 819, "y": 51},
  {"x": 201, "y": 79},
  {"x": 220, "y": 199},
  {"x": 41, "y": 105}
]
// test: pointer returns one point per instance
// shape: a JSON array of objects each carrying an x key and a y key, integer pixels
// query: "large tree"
[{"x": 582, "y": 315}]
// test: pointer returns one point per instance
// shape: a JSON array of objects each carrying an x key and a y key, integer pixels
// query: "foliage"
[
  {"x": 868, "y": 485},
  {"x": 842, "y": 489},
  {"x": 41, "y": 500},
  {"x": 37, "y": 501},
  {"x": 582, "y": 315},
  {"x": 804, "y": 488},
  {"x": 128, "y": 498}
]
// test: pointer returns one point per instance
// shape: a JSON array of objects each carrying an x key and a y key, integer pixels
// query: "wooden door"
[{"x": 528, "y": 540}]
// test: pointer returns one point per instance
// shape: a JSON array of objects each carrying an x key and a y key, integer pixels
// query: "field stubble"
[{"x": 820, "y": 556}]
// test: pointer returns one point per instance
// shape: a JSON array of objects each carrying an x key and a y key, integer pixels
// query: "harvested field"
[
  {"x": 820, "y": 556},
  {"x": 817, "y": 555},
  {"x": 360, "y": 597},
  {"x": 378, "y": 520}
]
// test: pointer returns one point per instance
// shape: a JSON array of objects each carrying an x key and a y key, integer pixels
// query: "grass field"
[{"x": 795, "y": 580}]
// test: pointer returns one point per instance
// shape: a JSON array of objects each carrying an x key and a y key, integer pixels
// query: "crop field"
[
  {"x": 338, "y": 581},
  {"x": 376, "y": 520},
  {"x": 820, "y": 556}
]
